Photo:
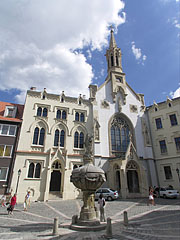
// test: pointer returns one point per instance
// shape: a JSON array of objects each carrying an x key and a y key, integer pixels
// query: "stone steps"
[{"x": 55, "y": 195}]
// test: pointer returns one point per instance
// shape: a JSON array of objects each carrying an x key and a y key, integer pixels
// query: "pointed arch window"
[
  {"x": 56, "y": 165},
  {"x": 45, "y": 112},
  {"x": 38, "y": 138},
  {"x": 117, "y": 61},
  {"x": 36, "y": 135},
  {"x": 63, "y": 114},
  {"x": 42, "y": 134},
  {"x": 37, "y": 170},
  {"x": 112, "y": 61},
  {"x": 120, "y": 136},
  {"x": 81, "y": 140},
  {"x": 82, "y": 117},
  {"x": 76, "y": 139},
  {"x": 62, "y": 136},
  {"x": 56, "y": 137},
  {"x": 42, "y": 112},
  {"x": 58, "y": 114},
  {"x": 31, "y": 170},
  {"x": 59, "y": 137},
  {"x": 77, "y": 116},
  {"x": 34, "y": 170},
  {"x": 39, "y": 111}
]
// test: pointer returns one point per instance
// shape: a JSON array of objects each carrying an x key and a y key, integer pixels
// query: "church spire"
[
  {"x": 112, "y": 43},
  {"x": 115, "y": 72},
  {"x": 113, "y": 55}
]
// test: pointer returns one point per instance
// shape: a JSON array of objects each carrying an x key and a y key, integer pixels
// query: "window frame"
[
  {"x": 79, "y": 140},
  {"x": 163, "y": 146},
  {"x": 8, "y": 130},
  {"x": 120, "y": 138},
  {"x": 5, "y": 145},
  {"x": 76, "y": 139},
  {"x": 177, "y": 143},
  {"x": 42, "y": 111},
  {"x": 45, "y": 112},
  {"x": 7, "y": 170},
  {"x": 13, "y": 109},
  {"x": 77, "y": 116},
  {"x": 58, "y": 114},
  {"x": 158, "y": 122},
  {"x": 34, "y": 170},
  {"x": 174, "y": 121},
  {"x": 82, "y": 117},
  {"x": 39, "y": 112},
  {"x": 39, "y": 136},
  {"x": 59, "y": 138},
  {"x": 168, "y": 173}
]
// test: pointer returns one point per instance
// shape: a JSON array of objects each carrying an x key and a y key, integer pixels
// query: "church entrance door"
[
  {"x": 55, "y": 183},
  {"x": 133, "y": 181}
]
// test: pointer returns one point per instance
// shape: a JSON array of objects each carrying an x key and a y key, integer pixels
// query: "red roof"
[{"x": 19, "y": 112}]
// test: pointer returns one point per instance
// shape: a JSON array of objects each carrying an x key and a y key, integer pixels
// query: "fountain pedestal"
[{"x": 88, "y": 178}]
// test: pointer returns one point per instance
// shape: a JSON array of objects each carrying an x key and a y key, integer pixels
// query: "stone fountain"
[{"x": 88, "y": 178}]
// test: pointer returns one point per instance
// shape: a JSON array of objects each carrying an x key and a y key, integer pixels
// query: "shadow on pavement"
[
  {"x": 161, "y": 201},
  {"x": 38, "y": 227}
]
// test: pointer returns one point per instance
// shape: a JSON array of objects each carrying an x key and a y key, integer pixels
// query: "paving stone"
[{"x": 145, "y": 222}]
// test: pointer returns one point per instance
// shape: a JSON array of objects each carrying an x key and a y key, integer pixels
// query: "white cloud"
[
  {"x": 176, "y": 93},
  {"x": 169, "y": 1},
  {"x": 176, "y": 23},
  {"x": 41, "y": 45},
  {"x": 89, "y": 54},
  {"x": 138, "y": 54}
]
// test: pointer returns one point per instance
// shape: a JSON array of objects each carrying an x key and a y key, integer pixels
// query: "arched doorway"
[
  {"x": 132, "y": 177},
  {"x": 55, "y": 182},
  {"x": 117, "y": 178}
]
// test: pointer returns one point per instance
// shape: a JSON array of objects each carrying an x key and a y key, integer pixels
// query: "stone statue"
[
  {"x": 145, "y": 131},
  {"x": 89, "y": 145},
  {"x": 96, "y": 129}
]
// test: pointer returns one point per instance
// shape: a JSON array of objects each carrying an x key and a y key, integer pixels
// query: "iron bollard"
[
  {"x": 109, "y": 228},
  {"x": 125, "y": 218},
  {"x": 55, "y": 227}
]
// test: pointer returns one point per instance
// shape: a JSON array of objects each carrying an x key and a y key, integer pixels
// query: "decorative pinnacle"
[
  {"x": 112, "y": 28},
  {"x": 112, "y": 43}
]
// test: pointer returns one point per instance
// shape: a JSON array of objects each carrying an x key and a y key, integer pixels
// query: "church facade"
[
  {"x": 122, "y": 140},
  {"x": 54, "y": 128}
]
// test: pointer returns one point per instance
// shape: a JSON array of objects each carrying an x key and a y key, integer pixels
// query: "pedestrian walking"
[
  {"x": 3, "y": 201},
  {"x": 151, "y": 196},
  {"x": 12, "y": 205},
  {"x": 101, "y": 203},
  {"x": 27, "y": 201}
]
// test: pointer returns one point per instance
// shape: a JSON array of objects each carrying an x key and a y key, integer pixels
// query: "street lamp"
[
  {"x": 177, "y": 170},
  {"x": 19, "y": 173}
]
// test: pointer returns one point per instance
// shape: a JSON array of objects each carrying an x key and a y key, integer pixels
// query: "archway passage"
[
  {"x": 55, "y": 183},
  {"x": 133, "y": 181}
]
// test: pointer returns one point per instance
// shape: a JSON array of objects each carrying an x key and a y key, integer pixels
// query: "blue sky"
[{"x": 43, "y": 46}]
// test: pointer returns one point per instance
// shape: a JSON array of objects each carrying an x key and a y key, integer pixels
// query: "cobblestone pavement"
[{"x": 145, "y": 222}]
